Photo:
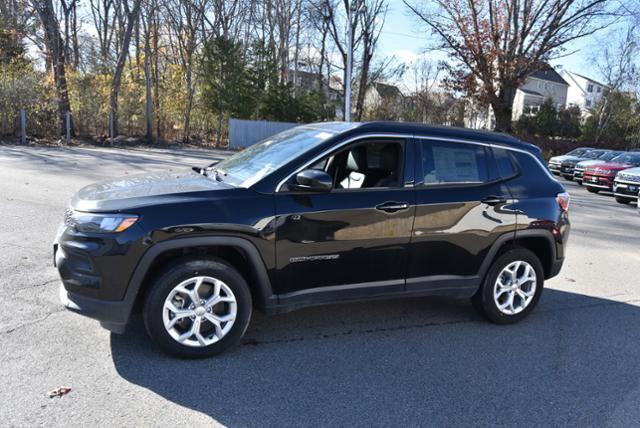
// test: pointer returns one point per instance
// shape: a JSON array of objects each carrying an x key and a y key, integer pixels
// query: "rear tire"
[
  {"x": 500, "y": 299},
  {"x": 624, "y": 201},
  {"x": 194, "y": 325},
  {"x": 592, "y": 189}
]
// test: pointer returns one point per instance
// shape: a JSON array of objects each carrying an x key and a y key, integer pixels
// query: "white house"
[
  {"x": 583, "y": 92},
  {"x": 537, "y": 87}
]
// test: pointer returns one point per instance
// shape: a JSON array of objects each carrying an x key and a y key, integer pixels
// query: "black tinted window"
[
  {"x": 506, "y": 167},
  {"x": 444, "y": 162}
]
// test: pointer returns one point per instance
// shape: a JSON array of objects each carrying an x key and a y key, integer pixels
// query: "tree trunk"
[
  {"x": 189, "y": 104},
  {"x": 147, "y": 81},
  {"x": 503, "y": 109},
  {"x": 55, "y": 48},
  {"x": 219, "y": 130},
  {"x": 364, "y": 77},
  {"x": 117, "y": 74}
]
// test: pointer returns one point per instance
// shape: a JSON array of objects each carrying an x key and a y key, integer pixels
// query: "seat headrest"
[{"x": 357, "y": 159}]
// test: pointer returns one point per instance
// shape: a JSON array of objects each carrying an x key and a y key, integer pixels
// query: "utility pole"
[{"x": 347, "y": 83}]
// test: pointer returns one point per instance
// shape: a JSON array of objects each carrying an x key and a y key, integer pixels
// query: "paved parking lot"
[{"x": 575, "y": 361}]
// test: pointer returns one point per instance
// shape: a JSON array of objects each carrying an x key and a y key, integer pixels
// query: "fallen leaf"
[{"x": 59, "y": 392}]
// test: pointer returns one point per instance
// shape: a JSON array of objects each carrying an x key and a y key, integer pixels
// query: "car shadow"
[{"x": 425, "y": 361}]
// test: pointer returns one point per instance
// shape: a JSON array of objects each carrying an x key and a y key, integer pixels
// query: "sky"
[{"x": 404, "y": 37}]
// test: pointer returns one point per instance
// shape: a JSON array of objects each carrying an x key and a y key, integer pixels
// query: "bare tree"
[
  {"x": 102, "y": 12},
  {"x": 187, "y": 18},
  {"x": 497, "y": 43},
  {"x": 56, "y": 57},
  {"x": 130, "y": 17},
  {"x": 618, "y": 63},
  {"x": 372, "y": 16}
]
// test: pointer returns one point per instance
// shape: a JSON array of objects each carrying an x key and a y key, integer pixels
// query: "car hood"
[
  {"x": 632, "y": 171},
  {"x": 572, "y": 159},
  {"x": 610, "y": 166},
  {"x": 559, "y": 158},
  {"x": 138, "y": 190},
  {"x": 586, "y": 163}
]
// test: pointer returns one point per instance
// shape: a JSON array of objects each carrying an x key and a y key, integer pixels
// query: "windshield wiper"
[
  {"x": 219, "y": 174},
  {"x": 202, "y": 171}
]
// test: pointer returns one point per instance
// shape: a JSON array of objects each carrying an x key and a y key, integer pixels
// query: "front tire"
[
  {"x": 512, "y": 287},
  {"x": 197, "y": 308}
]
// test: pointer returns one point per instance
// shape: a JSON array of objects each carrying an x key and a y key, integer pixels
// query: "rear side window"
[
  {"x": 506, "y": 167},
  {"x": 453, "y": 163}
]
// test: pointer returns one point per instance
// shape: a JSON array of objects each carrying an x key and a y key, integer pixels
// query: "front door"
[{"x": 353, "y": 239}]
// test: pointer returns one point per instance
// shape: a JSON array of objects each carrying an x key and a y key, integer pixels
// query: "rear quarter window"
[{"x": 504, "y": 162}]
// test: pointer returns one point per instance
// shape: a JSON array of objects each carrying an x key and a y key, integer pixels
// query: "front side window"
[
  {"x": 365, "y": 165},
  {"x": 453, "y": 163}
]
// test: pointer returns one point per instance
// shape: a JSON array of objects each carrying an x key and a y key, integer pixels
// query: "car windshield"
[
  {"x": 608, "y": 155},
  {"x": 576, "y": 152},
  {"x": 627, "y": 158},
  {"x": 593, "y": 154},
  {"x": 247, "y": 167}
]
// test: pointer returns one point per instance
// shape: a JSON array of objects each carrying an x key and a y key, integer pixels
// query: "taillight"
[{"x": 563, "y": 200}]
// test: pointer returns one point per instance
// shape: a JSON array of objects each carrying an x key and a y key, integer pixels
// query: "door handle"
[
  {"x": 493, "y": 200},
  {"x": 392, "y": 207}
]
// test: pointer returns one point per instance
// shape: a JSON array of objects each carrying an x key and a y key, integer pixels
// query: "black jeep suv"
[{"x": 323, "y": 213}]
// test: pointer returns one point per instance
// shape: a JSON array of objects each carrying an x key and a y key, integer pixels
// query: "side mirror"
[{"x": 313, "y": 180}]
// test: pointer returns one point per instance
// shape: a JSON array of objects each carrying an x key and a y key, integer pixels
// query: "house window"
[
  {"x": 590, "y": 88},
  {"x": 599, "y": 89},
  {"x": 588, "y": 103}
]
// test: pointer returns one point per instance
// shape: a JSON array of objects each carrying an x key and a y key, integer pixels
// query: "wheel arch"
[
  {"x": 541, "y": 242},
  {"x": 238, "y": 252}
]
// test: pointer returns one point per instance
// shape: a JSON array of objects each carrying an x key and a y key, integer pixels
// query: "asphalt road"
[{"x": 575, "y": 361}]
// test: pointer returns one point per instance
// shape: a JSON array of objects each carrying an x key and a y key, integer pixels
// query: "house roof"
[
  {"x": 549, "y": 74},
  {"x": 588, "y": 78},
  {"x": 387, "y": 91},
  {"x": 530, "y": 92}
]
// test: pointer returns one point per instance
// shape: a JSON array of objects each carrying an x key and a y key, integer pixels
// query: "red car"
[{"x": 600, "y": 177}]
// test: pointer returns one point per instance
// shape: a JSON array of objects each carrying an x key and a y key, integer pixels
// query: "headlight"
[
  {"x": 604, "y": 172},
  {"x": 100, "y": 223}
]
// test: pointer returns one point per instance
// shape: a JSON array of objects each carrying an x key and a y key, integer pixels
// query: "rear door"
[{"x": 462, "y": 207}]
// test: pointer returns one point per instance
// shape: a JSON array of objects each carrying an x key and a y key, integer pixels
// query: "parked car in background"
[
  {"x": 579, "y": 168},
  {"x": 627, "y": 185},
  {"x": 555, "y": 163},
  {"x": 567, "y": 166},
  {"x": 600, "y": 177}
]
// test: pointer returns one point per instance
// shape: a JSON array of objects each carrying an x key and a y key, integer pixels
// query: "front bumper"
[
  {"x": 567, "y": 171},
  {"x": 626, "y": 190},
  {"x": 599, "y": 182},
  {"x": 112, "y": 315},
  {"x": 555, "y": 168},
  {"x": 578, "y": 174}
]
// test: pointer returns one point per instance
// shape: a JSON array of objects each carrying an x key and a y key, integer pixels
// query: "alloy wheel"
[
  {"x": 199, "y": 311},
  {"x": 515, "y": 287}
]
